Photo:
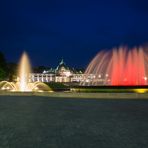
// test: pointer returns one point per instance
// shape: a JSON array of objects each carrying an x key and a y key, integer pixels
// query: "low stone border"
[{"x": 80, "y": 95}]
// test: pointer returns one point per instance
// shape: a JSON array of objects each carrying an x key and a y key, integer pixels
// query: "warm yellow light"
[
  {"x": 141, "y": 90},
  {"x": 8, "y": 87},
  {"x": 3, "y": 88},
  {"x": 24, "y": 71},
  {"x": 67, "y": 73}
]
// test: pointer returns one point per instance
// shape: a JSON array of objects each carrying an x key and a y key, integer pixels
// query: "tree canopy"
[{"x": 3, "y": 67}]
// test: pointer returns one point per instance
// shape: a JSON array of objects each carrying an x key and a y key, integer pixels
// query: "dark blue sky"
[{"x": 73, "y": 29}]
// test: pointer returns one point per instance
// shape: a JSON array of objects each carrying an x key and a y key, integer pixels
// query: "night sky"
[{"x": 71, "y": 29}]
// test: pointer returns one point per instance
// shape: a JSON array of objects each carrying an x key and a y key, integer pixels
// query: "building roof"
[{"x": 62, "y": 64}]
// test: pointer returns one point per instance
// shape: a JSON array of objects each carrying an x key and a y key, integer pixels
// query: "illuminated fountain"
[
  {"x": 23, "y": 73},
  {"x": 23, "y": 83},
  {"x": 118, "y": 67}
]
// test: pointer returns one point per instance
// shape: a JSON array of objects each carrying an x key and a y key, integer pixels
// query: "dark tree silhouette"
[
  {"x": 3, "y": 67},
  {"x": 12, "y": 71}
]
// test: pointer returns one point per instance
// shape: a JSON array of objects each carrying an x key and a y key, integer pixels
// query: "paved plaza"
[{"x": 46, "y": 122}]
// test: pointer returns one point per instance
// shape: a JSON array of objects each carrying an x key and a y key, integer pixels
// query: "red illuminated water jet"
[{"x": 116, "y": 67}]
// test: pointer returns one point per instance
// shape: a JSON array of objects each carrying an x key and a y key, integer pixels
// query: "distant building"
[{"x": 62, "y": 73}]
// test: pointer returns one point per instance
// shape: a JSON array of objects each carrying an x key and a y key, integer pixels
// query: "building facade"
[{"x": 62, "y": 73}]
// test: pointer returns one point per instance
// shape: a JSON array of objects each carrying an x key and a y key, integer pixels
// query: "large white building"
[{"x": 61, "y": 74}]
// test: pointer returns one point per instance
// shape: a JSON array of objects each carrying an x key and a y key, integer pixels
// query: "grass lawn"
[{"x": 43, "y": 122}]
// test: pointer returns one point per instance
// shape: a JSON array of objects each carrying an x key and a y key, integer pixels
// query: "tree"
[
  {"x": 3, "y": 67},
  {"x": 40, "y": 69},
  {"x": 2, "y": 74},
  {"x": 12, "y": 71}
]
